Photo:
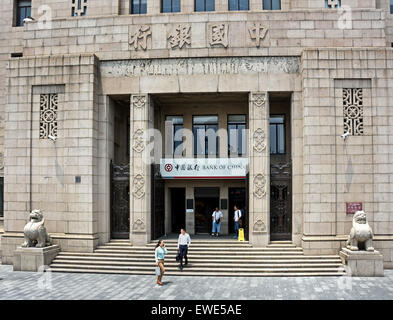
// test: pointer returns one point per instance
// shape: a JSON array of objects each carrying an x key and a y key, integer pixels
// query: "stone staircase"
[{"x": 206, "y": 258}]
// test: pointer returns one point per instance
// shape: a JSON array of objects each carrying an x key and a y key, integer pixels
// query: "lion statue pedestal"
[
  {"x": 37, "y": 251},
  {"x": 360, "y": 257}
]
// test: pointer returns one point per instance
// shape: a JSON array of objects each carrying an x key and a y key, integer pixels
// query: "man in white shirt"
[
  {"x": 217, "y": 218},
  {"x": 183, "y": 243},
  {"x": 236, "y": 217}
]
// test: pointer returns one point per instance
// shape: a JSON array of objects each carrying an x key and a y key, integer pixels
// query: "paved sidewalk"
[{"x": 65, "y": 286}]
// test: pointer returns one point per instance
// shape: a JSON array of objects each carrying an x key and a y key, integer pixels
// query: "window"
[
  {"x": 391, "y": 6},
  {"x": 138, "y": 6},
  {"x": 205, "y": 135},
  {"x": 277, "y": 134},
  {"x": 23, "y": 10},
  {"x": 271, "y": 4},
  {"x": 238, "y": 5},
  {"x": 170, "y": 5},
  {"x": 78, "y": 8},
  {"x": 176, "y": 134},
  {"x": 1, "y": 196},
  {"x": 204, "y": 5},
  {"x": 236, "y": 135},
  {"x": 332, "y": 4}
]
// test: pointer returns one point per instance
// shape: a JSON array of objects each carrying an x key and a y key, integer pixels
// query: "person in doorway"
[
  {"x": 217, "y": 218},
  {"x": 183, "y": 243},
  {"x": 236, "y": 217},
  {"x": 160, "y": 253}
]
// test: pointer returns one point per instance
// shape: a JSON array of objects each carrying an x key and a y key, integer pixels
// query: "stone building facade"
[{"x": 80, "y": 86}]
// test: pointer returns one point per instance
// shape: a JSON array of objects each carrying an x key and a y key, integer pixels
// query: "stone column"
[
  {"x": 141, "y": 119},
  {"x": 259, "y": 173}
]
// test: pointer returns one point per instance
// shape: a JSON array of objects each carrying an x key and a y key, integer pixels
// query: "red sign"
[{"x": 352, "y": 207}]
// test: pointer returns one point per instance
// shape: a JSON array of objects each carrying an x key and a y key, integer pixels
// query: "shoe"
[
  {"x": 234, "y": 237},
  {"x": 217, "y": 235},
  {"x": 180, "y": 268}
]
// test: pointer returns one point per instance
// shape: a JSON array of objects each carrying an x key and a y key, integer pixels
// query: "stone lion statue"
[
  {"x": 35, "y": 231},
  {"x": 361, "y": 236}
]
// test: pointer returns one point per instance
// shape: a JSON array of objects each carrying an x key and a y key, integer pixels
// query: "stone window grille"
[
  {"x": 331, "y": 4},
  {"x": 78, "y": 8},
  {"x": 48, "y": 115},
  {"x": 353, "y": 111}
]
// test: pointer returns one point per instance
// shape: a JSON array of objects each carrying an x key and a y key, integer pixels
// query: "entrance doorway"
[
  {"x": 237, "y": 196},
  {"x": 280, "y": 168},
  {"x": 178, "y": 208},
  {"x": 206, "y": 200},
  {"x": 118, "y": 148}
]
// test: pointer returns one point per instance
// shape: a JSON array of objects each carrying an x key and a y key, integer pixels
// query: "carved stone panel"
[
  {"x": 353, "y": 111},
  {"x": 138, "y": 186},
  {"x": 48, "y": 115},
  {"x": 138, "y": 226},
  {"x": 260, "y": 186},
  {"x": 259, "y": 226},
  {"x": 259, "y": 140}
]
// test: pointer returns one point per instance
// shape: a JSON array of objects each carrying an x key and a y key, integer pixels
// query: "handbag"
[
  {"x": 158, "y": 271},
  {"x": 178, "y": 256}
]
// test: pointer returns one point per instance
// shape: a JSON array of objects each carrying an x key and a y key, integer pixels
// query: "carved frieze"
[{"x": 200, "y": 66}]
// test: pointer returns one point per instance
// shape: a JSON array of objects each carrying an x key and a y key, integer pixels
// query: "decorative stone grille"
[
  {"x": 332, "y": 4},
  {"x": 353, "y": 111},
  {"x": 48, "y": 115},
  {"x": 78, "y": 8}
]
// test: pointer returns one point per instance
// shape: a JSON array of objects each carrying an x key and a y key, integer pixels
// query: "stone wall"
[
  {"x": 47, "y": 178},
  {"x": 357, "y": 169}
]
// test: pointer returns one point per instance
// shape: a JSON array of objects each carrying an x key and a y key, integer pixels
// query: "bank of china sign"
[{"x": 204, "y": 168}]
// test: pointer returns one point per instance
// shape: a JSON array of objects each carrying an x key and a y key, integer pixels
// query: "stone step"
[
  {"x": 199, "y": 256},
  {"x": 273, "y": 269},
  {"x": 237, "y": 261},
  {"x": 198, "y": 241},
  {"x": 202, "y": 253},
  {"x": 195, "y": 248},
  {"x": 196, "y": 265},
  {"x": 206, "y": 274}
]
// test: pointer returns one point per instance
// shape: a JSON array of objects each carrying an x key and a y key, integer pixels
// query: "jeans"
[
  {"x": 183, "y": 249},
  {"x": 216, "y": 227},
  {"x": 236, "y": 229}
]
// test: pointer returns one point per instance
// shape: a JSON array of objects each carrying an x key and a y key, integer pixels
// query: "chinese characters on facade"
[{"x": 180, "y": 35}]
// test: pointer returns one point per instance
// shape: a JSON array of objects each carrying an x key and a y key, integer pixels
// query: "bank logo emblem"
[{"x": 168, "y": 167}]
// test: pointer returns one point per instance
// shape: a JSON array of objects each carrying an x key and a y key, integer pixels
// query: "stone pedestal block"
[
  {"x": 363, "y": 263},
  {"x": 31, "y": 259}
]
